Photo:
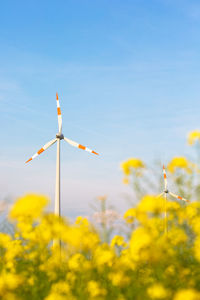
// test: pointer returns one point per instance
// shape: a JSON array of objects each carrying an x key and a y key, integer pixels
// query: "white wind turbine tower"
[
  {"x": 59, "y": 137},
  {"x": 165, "y": 192}
]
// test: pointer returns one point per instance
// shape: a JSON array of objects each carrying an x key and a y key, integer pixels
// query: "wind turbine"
[
  {"x": 165, "y": 192},
  {"x": 59, "y": 137}
]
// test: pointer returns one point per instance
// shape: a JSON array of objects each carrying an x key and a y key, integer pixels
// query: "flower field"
[{"x": 47, "y": 257}]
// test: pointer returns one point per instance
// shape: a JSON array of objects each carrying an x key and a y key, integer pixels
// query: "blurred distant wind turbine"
[
  {"x": 165, "y": 192},
  {"x": 59, "y": 137}
]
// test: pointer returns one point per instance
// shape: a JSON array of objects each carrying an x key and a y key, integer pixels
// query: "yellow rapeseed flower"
[
  {"x": 192, "y": 210},
  {"x": 187, "y": 294},
  {"x": 28, "y": 207},
  {"x": 57, "y": 296},
  {"x": 157, "y": 291},
  {"x": 193, "y": 136},
  {"x": 173, "y": 206},
  {"x": 196, "y": 248},
  {"x": 131, "y": 164},
  {"x": 195, "y": 224},
  {"x": 4, "y": 240},
  {"x": 118, "y": 241},
  {"x": 170, "y": 270},
  {"x": 75, "y": 262},
  {"x": 151, "y": 204},
  {"x": 151, "y": 265},
  {"x": 71, "y": 277},
  {"x": 140, "y": 240},
  {"x": 10, "y": 296},
  {"x": 176, "y": 236},
  {"x": 104, "y": 256},
  {"x": 9, "y": 282},
  {"x": 130, "y": 215},
  {"x": 60, "y": 291},
  {"x": 95, "y": 290},
  {"x": 81, "y": 236},
  {"x": 118, "y": 278},
  {"x": 61, "y": 287},
  {"x": 14, "y": 250},
  {"x": 180, "y": 163}
]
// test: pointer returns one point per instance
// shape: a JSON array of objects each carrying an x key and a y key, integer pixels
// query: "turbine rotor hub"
[
  {"x": 60, "y": 136},
  {"x": 166, "y": 191}
]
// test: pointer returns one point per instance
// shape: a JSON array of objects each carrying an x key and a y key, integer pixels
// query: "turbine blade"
[
  {"x": 77, "y": 145},
  {"x": 160, "y": 195},
  {"x": 45, "y": 147},
  {"x": 165, "y": 177},
  {"x": 178, "y": 197},
  {"x": 59, "y": 114}
]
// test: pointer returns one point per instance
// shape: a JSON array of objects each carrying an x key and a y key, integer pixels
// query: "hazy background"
[{"x": 127, "y": 74}]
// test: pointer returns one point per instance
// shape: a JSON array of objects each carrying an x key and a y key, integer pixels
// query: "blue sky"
[{"x": 127, "y": 74}]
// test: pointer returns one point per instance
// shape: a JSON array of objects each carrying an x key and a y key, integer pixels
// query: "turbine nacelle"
[{"x": 60, "y": 136}]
